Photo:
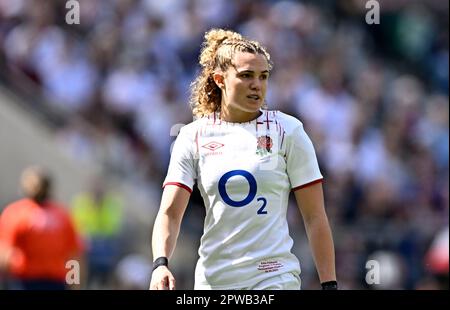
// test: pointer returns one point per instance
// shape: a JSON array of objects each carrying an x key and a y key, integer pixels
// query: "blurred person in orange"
[{"x": 37, "y": 237}]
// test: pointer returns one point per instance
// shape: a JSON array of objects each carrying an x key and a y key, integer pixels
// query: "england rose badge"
[{"x": 264, "y": 145}]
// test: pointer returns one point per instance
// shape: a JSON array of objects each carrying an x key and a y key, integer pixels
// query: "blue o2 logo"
[{"x": 251, "y": 194}]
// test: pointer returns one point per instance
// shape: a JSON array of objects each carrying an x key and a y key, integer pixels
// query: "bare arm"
[
  {"x": 165, "y": 232},
  {"x": 311, "y": 204}
]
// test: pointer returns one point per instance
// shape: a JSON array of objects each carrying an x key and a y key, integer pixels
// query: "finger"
[
  {"x": 171, "y": 284},
  {"x": 163, "y": 285}
]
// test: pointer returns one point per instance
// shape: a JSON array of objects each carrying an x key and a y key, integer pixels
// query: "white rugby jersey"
[{"x": 245, "y": 172}]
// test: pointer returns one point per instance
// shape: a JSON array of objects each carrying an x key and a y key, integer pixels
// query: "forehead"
[{"x": 248, "y": 61}]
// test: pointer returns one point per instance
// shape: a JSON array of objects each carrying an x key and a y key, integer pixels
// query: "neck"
[
  {"x": 231, "y": 115},
  {"x": 39, "y": 200}
]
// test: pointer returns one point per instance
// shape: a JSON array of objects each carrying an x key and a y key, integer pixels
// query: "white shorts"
[{"x": 285, "y": 281}]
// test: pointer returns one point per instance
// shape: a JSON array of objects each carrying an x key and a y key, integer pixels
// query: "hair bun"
[{"x": 213, "y": 39}]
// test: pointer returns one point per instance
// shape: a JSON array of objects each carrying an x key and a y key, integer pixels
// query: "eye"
[
  {"x": 264, "y": 77},
  {"x": 245, "y": 75}
]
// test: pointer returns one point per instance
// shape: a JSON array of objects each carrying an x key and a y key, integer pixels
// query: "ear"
[{"x": 218, "y": 79}]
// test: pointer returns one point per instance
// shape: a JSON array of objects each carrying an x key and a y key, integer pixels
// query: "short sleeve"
[
  {"x": 182, "y": 171},
  {"x": 8, "y": 228},
  {"x": 302, "y": 166},
  {"x": 11, "y": 226}
]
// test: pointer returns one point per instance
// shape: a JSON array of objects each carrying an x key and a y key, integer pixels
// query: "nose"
[{"x": 255, "y": 84}]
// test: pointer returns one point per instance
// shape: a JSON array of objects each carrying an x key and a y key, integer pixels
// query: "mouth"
[{"x": 254, "y": 97}]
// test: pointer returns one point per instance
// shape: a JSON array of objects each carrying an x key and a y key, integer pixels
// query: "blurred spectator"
[
  {"x": 391, "y": 270},
  {"x": 436, "y": 259},
  {"x": 98, "y": 216},
  {"x": 133, "y": 272},
  {"x": 37, "y": 237}
]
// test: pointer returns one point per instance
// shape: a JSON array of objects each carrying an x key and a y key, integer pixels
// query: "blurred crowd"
[{"x": 373, "y": 98}]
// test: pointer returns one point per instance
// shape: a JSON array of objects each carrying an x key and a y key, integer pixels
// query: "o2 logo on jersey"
[{"x": 251, "y": 194}]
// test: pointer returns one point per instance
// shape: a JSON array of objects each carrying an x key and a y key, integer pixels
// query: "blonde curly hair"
[{"x": 218, "y": 49}]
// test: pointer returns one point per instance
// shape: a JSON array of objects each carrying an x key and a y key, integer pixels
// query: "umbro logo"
[{"x": 213, "y": 146}]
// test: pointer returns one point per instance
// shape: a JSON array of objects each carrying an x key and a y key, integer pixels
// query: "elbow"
[
  {"x": 317, "y": 220},
  {"x": 170, "y": 216}
]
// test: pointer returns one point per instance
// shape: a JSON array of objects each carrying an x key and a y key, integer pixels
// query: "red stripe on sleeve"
[
  {"x": 179, "y": 185},
  {"x": 307, "y": 184}
]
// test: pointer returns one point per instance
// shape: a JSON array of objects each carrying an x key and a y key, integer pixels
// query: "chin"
[
  {"x": 252, "y": 110},
  {"x": 253, "y": 107}
]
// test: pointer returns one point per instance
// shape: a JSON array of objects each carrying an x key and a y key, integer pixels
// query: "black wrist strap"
[
  {"x": 329, "y": 285},
  {"x": 160, "y": 261}
]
